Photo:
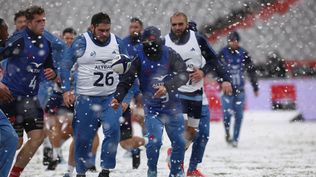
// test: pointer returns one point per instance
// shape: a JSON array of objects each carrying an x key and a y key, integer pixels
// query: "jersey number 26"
[{"x": 109, "y": 79}]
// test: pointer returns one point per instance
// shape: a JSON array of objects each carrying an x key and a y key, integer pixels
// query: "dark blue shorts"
[
  {"x": 24, "y": 113},
  {"x": 55, "y": 105},
  {"x": 192, "y": 108},
  {"x": 126, "y": 125}
]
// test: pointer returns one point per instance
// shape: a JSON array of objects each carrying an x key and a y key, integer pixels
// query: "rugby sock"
[{"x": 16, "y": 171}]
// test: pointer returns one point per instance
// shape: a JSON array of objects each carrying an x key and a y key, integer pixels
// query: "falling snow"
[{"x": 269, "y": 146}]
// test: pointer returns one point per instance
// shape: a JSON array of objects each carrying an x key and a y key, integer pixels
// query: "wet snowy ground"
[{"x": 270, "y": 146}]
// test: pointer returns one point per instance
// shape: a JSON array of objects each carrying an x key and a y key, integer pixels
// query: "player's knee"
[
  {"x": 83, "y": 139},
  {"x": 204, "y": 133},
  {"x": 36, "y": 137},
  {"x": 124, "y": 144}
]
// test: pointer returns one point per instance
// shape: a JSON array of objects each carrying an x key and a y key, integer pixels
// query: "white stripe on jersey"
[{"x": 95, "y": 75}]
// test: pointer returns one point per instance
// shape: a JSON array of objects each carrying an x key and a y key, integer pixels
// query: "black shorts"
[
  {"x": 55, "y": 105},
  {"x": 24, "y": 113},
  {"x": 126, "y": 125},
  {"x": 192, "y": 108}
]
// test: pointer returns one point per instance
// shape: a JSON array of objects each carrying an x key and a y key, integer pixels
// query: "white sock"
[
  {"x": 46, "y": 143},
  {"x": 70, "y": 169},
  {"x": 60, "y": 152},
  {"x": 55, "y": 153}
]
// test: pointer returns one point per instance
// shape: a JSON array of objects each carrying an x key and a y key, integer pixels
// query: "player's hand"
[
  {"x": 72, "y": 96},
  {"x": 161, "y": 91},
  {"x": 5, "y": 94},
  {"x": 256, "y": 93},
  {"x": 49, "y": 73},
  {"x": 227, "y": 88},
  {"x": 124, "y": 106},
  {"x": 196, "y": 75},
  {"x": 115, "y": 104},
  {"x": 69, "y": 98},
  {"x": 57, "y": 80}
]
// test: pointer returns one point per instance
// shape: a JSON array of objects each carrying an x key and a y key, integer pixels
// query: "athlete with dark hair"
[
  {"x": 93, "y": 51},
  {"x": 160, "y": 71},
  {"x": 29, "y": 56}
]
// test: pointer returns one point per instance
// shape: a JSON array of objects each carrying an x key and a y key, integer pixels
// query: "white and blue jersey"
[
  {"x": 196, "y": 52},
  {"x": 95, "y": 76},
  {"x": 28, "y": 55},
  {"x": 191, "y": 54}
]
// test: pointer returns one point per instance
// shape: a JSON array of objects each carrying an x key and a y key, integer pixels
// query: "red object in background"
[
  {"x": 291, "y": 64},
  {"x": 283, "y": 91},
  {"x": 213, "y": 94},
  {"x": 283, "y": 96},
  {"x": 264, "y": 13}
]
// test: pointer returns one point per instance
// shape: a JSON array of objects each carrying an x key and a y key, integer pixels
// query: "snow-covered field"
[{"x": 270, "y": 146}]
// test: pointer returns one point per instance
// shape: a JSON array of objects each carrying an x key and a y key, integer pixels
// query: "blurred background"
[
  {"x": 278, "y": 34},
  {"x": 290, "y": 29}
]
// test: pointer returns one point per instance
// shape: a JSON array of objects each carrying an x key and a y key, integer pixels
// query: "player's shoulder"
[
  {"x": 55, "y": 42},
  {"x": 16, "y": 37},
  {"x": 126, "y": 39},
  {"x": 170, "y": 50},
  {"x": 117, "y": 38},
  {"x": 225, "y": 49},
  {"x": 243, "y": 50},
  {"x": 80, "y": 40}
]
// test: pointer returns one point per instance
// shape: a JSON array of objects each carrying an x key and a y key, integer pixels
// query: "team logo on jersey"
[
  {"x": 193, "y": 49},
  {"x": 104, "y": 65},
  {"x": 93, "y": 54},
  {"x": 34, "y": 67},
  {"x": 160, "y": 78},
  {"x": 235, "y": 67},
  {"x": 185, "y": 60},
  {"x": 37, "y": 65},
  {"x": 114, "y": 52},
  {"x": 104, "y": 61}
]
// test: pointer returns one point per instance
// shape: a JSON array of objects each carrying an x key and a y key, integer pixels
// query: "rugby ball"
[{"x": 121, "y": 64}]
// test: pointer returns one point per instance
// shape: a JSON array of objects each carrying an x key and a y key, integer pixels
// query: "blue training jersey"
[
  {"x": 131, "y": 49},
  {"x": 131, "y": 45},
  {"x": 168, "y": 70},
  {"x": 58, "y": 49},
  {"x": 237, "y": 62},
  {"x": 28, "y": 55}
]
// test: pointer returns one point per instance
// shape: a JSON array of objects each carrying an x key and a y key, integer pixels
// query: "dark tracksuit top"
[
  {"x": 238, "y": 61},
  {"x": 168, "y": 69}
]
